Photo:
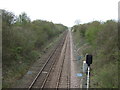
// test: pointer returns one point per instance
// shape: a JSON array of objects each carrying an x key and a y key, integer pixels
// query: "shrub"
[{"x": 101, "y": 40}]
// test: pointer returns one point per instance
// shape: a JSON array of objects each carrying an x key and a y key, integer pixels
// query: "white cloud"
[{"x": 64, "y": 11}]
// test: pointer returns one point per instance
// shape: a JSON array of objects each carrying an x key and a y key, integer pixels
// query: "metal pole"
[{"x": 88, "y": 77}]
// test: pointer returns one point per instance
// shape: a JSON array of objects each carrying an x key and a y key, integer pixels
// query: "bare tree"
[{"x": 77, "y": 22}]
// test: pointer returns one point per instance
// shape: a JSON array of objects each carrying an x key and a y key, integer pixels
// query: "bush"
[{"x": 101, "y": 40}]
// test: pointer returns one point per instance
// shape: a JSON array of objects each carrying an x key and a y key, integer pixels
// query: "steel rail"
[
  {"x": 61, "y": 69},
  {"x": 44, "y": 82}
]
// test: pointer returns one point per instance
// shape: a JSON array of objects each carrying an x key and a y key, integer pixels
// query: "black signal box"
[{"x": 89, "y": 59}]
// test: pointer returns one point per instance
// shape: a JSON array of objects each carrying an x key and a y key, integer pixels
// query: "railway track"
[
  {"x": 56, "y": 58},
  {"x": 64, "y": 75}
]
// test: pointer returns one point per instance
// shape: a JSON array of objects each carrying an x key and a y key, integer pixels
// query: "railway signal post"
[{"x": 89, "y": 62}]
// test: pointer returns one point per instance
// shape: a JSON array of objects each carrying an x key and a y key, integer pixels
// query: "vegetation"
[
  {"x": 101, "y": 40},
  {"x": 23, "y": 41}
]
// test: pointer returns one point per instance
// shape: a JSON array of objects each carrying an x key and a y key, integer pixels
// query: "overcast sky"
[{"x": 64, "y": 11}]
